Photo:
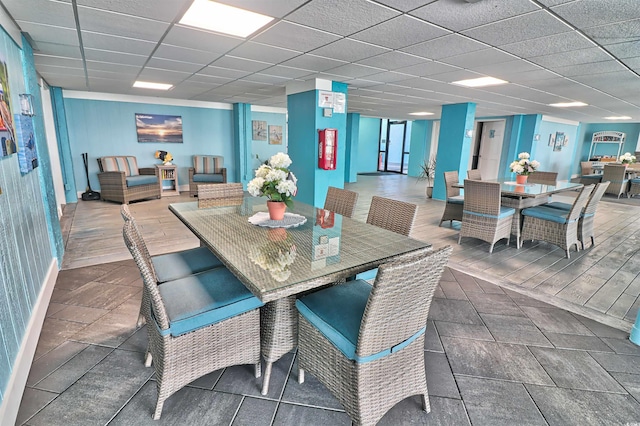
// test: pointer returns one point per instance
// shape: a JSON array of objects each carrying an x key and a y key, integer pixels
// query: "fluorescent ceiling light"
[
  {"x": 421, "y": 113},
  {"x": 221, "y": 18},
  {"x": 150, "y": 85},
  {"x": 568, "y": 104},
  {"x": 480, "y": 82},
  {"x": 622, "y": 117}
]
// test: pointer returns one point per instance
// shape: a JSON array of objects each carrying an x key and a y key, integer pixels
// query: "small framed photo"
[
  {"x": 275, "y": 135},
  {"x": 26, "y": 104},
  {"x": 552, "y": 140}
]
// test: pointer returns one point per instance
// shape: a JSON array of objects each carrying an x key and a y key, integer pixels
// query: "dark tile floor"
[{"x": 493, "y": 357}]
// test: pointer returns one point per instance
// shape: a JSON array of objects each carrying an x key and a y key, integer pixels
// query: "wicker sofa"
[{"x": 122, "y": 181}]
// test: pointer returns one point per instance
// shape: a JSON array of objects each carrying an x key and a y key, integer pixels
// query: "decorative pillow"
[
  {"x": 128, "y": 165},
  {"x": 208, "y": 163}
]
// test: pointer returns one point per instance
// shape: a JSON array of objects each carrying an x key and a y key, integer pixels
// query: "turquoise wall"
[
  {"x": 104, "y": 128},
  {"x": 556, "y": 161},
  {"x": 420, "y": 139},
  {"x": 368, "y": 145},
  {"x": 263, "y": 149},
  {"x": 26, "y": 254}
]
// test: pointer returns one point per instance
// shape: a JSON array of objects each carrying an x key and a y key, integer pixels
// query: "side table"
[{"x": 168, "y": 173}]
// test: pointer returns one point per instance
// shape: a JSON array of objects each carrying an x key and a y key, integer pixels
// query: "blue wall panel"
[
  {"x": 368, "y": 145},
  {"x": 556, "y": 161}
]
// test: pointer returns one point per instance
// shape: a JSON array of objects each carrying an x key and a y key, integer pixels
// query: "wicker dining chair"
[
  {"x": 483, "y": 216},
  {"x": 366, "y": 343},
  {"x": 474, "y": 174},
  {"x": 197, "y": 324},
  {"x": 341, "y": 201},
  {"x": 170, "y": 266},
  {"x": 453, "y": 206},
  {"x": 615, "y": 173},
  {"x": 543, "y": 178},
  {"x": 392, "y": 215},
  {"x": 634, "y": 187},
  {"x": 555, "y": 226},
  {"x": 219, "y": 194}
]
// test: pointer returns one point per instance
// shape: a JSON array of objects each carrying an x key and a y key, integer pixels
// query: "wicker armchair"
[
  {"x": 555, "y": 226},
  {"x": 220, "y": 194},
  {"x": 170, "y": 266},
  {"x": 341, "y": 201},
  {"x": 474, "y": 174},
  {"x": 374, "y": 357},
  {"x": 122, "y": 181},
  {"x": 483, "y": 217},
  {"x": 197, "y": 325},
  {"x": 615, "y": 173},
  {"x": 206, "y": 169},
  {"x": 453, "y": 206},
  {"x": 393, "y": 215},
  {"x": 543, "y": 178}
]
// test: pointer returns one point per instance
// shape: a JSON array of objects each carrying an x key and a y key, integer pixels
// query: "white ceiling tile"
[
  {"x": 341, "y": 17},
  {"x": 478, "y": 58},
  {"x": 590, "y": 68},
  {"x": 354, "y": 70},
  {"x": 574, "y": 57},
  {"x": 209, "y": 79},
  {"x": 224, "y": 72},
  {"x": 201, "y": 40},
  {"x": 556, "y": 43},
  {"x": 116, "y": 86},
  {"x": 349, "y": 50},
  {"x": 170, "y": 65},
  {"x": 52, "y": 69},
  {"x": 161, "y": 10},
  {"x": 156, "y": 75},
  {"x": 389, "y": 77},
  {"x": 313, "y": 62},
  {"x": 113, "y": 68},
  {"x": 413, "y": 31},
  {"x": 273, "y": 8},
  {"x": 450, "y": 45},
  {"x": 59, "y": 14},
  {"x": 240, "y": 64},
  {"x": 287, "y": 72},
  {"x": 114, "y": 57},
  {"x": 295, "y": 37},
  {"x": 119, "y": 24},
  {"x": 69, "y": 82},
  {"x": 57, "y": 60},
  {"x": 392, "y": 60},
  {"x": 619, "y": 32},
  {"x": 455, "y": 76},
  {"x": 624, "y": 50},
  {"x": 59, "y": 50},
  {"x": 507, "y": 70},
  {"x": 117, "y": 44},
  {"x": 176, "y": 53},
  {"x": 459, "y": 15},
  {"x": 47, "y": 33},
  {"x": 265, "y": 78},
  {"x": 427, "y": 69},
  {"x": 592, "y": 13},
  {"x": 263, "y": 52}
]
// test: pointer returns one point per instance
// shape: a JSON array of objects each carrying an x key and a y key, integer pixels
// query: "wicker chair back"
[
  {"x": 341, "y": 201},
  {"x": 482, "y": 197},
  {"x": 543, "y": 178},
  {"x": 393, "y": 215},
  {"x": 450, "y": 179},
  {"x": 220, "y": 194},
  {"x": 474, "y": 174},
  {"x": 594, "y": 199},
  {"x": 615, "y": 173},
  {"x": 579, "y": 203},
  {"x": 125, "y": 212},
  {"x": 586, "y": 168}
]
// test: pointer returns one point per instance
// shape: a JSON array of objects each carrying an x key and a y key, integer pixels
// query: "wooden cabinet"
[{"x": 168, "y": 180}]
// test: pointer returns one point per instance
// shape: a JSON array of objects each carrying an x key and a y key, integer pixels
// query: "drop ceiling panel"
[
  {"x": 428, "y": 69},
  {"x": 240, "y": 64},
  {"x": 176, "y": 53},
  {"x": 523, "y": 27},
  {"x": 119, "y": 24},
  {"x": 224, "y": 72},
  {"x": 392, "y": 60},
  {"x": 162, "y": 10},
  {"x": 313, "y": 62},
  {"x": 113, "y": 86},
  {"x": 266, "y": 79},
  {"x": 341, "y": 17},
  {"x": 507, "y": 70},
  {"x": 201, "y": 40},
  {"x": 128, "y": 79},
  {"x": 557, "y": 43},
  {"x": 50, "y": 69},
  {"x": 619, "y": 32},
  {"x": 67, "y": 81},
  {"x": 64, "y": 50},
  {"x": 414, "y": 31},
  {"x": 624, "y": 50},
  {"x": 478, "y": 58},
  {"x": 590, "y": 68},
  {"x": 361, "y": 82},
  {"x": 59, "y": 14},
  {"x": 575, "y": 57},
  {"x": 295, "y": 37},
  {"x": 167, "y": 64},
  {"x": 459, "y": 15},
  {"x": 598, "y": 12},
  {"x": 162, "y": 76},
  {"x": 114, "y": 57},
  {"x": 614, "y": 83},
  {"x": 273, "y": 8},
  {"x": 354, "y": 70},
  {"x": 113, "y": 68},
  {"x": 390, "y": 77},
  {"x": 57, "y": 60},
  {"x": 349, "y": 50},
  {"x": 41, "y": 32},
  {"x": 450, "y": 45},
  {"x": 208, "y": 79},
  {"x": 117, "y": 44},
  {"x": 263, "y": 52},
  {"x": 530, "y": 76},
  {"x": 287, "y": 72}
]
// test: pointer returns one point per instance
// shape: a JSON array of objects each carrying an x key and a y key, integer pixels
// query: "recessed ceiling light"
[
  {"x": 150, "y": 85},
  {"x": 568, "y": 104},
  {"x": 622, "y": 117},
  {"x": 480, "y": 82},
  {"x": 421, "y": 113},
  {"x": 221, "y": 18}
]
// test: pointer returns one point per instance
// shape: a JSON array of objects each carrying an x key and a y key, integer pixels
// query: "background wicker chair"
[
  {"x": 634, "y": 187},
  {"x": 122, "y": 181},
  {"x": 393, "y": 215},
  {"x": 615, "y": 173},
  {"x": 587, "y": 177},
  {"x": 206, "y": 169},
  {"x": 341, "y": 201},
  {"x": 220, "y": 194},
  {"x": 453, "y": 206},
  {"x": 474, "y": 174},
  {"x": 483, "y": 217},
  {"x": 170, "y": 266},
  {"x": 198, "y": 324},
  {"x": 543, "y": 178},
  {"x": 375, "y": 356},
  {"x": 555, "y": 226}
]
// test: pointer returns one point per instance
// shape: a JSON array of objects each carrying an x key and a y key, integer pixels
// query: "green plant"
[{"x": 428, "y": 171}]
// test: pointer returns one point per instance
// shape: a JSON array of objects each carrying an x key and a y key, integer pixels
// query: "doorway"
[
  {"x": 487, "y": 149},
  {"x": 393, "y": 153}
]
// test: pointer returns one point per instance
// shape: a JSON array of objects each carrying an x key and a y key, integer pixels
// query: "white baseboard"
[{"x": 20, "y": 372}]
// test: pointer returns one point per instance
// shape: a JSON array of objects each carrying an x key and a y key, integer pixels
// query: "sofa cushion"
[
  {"x": 172, "y": 266},
  {"x": 208, "y": 164},
  {"x": 547, "y": 213},
  {"x": 204, "y": 299},
  {"x": 126, "y": 164},
  {"x": 206, "y": 177},
  {"x": 141, "y": 180}
]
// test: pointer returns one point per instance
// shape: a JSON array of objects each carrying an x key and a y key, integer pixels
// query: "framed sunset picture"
[{"x": 159, "y": 128}]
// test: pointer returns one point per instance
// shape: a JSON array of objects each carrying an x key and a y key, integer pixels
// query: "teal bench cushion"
[
  {"x": 204, "y": 299},
  {"x": 172, "y": 266},
  {"x": 547, "y": 213},
  {"x": 458, "y": 199},
  {"x": 141, "y": 180},
  {"x": 504, "y": 212},
  {"x": 205, "y": 177}
]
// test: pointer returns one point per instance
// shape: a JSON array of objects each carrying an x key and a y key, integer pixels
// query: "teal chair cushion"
[
  {"x": 367, "y": 275},
  {"x": 635, "y": 180},
  {"x": 458, "y": 199},
  {"x": 559, "y": 205},
  {"x": 504, "y": 212},
  {"x": 547, "y": 213},
  {"x": 172, "y": 266},
  {"x": 204, "y": 299},
  {"x": 206, "y": 177},
  {"x": 595, "y": 177},
  {"x": 141, "y": 180}
]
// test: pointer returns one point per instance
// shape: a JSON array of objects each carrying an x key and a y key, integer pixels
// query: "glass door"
[{"x": 394, "y": 154}]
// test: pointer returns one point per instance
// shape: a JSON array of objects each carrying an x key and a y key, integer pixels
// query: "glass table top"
[
  {"x": 278, "y": 262},
  {"x": 509, "y": 187}
]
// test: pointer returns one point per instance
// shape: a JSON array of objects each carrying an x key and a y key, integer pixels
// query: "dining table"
[
  {"x": 277, "y": 263},
  {"x": 522, "y": 196}
]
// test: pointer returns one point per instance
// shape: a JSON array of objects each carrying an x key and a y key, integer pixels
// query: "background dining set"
[
  {"x": 624, "y": 179},
  {"x": 202, "y": 317},
  {"x": 495, "y": 210}
]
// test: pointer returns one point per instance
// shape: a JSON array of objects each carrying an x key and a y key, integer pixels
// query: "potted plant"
[{"x": 428, "y": 173}]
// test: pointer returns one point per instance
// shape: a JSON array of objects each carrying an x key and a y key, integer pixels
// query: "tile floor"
[{"x": 493, "y": 357}]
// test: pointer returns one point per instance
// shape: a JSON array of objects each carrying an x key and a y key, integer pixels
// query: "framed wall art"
[
  {"x": 259, "y": 130},
  {"x": 559, "y": 141},
  {"x": 275, "y": 135},
  {"x": 27, "y": 152},
  {"x": 7, "y": 129},
  {"x": 159, "y": 128}
]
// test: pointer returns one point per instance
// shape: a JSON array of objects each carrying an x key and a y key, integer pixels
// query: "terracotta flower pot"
[
  {"x": 276, "y": 209},
  {"x": 521, "y": 179}
]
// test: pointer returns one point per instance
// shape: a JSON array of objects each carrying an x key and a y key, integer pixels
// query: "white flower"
[
  {"x": 517, "y": 168},
  {"x": 262, "y": 171},
  {"x": 534, "y": 164},
  {"x": 255, "y": 186},
  {"x": 280, "y": 160},
  {"x": 275, "y": 175},
  {"x": 627, "y": 158},
  {"x": 523, "y": 155},
  {"x": 286, "y": 187}
]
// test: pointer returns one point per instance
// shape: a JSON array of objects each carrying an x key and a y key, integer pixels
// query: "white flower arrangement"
[
  {"x": 274, "y": 180},
  {"x": 627, "y": 158},
  {"x": 276, "y": 258},
  {"x": 524, "y": 165}
]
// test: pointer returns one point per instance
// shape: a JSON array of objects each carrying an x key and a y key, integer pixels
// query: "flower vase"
[
  {"x": 276, "y": 209},
  {"x": 521, "y": 179}
]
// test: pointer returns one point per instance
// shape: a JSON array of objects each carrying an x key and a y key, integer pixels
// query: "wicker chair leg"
[
  {"x": 267, "y": 377},
  {"x": 148, "y": 359},
  {"x": 141, "y": 320},
  {"x": 300, "y": 375},
  {"x": 258, "y": 369},
  {"x": 491, "y": 248},
  {"x": 158, "y": 412},
  {"x": 459, "y": 239},
  {"x": 425, "y": 403}
]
